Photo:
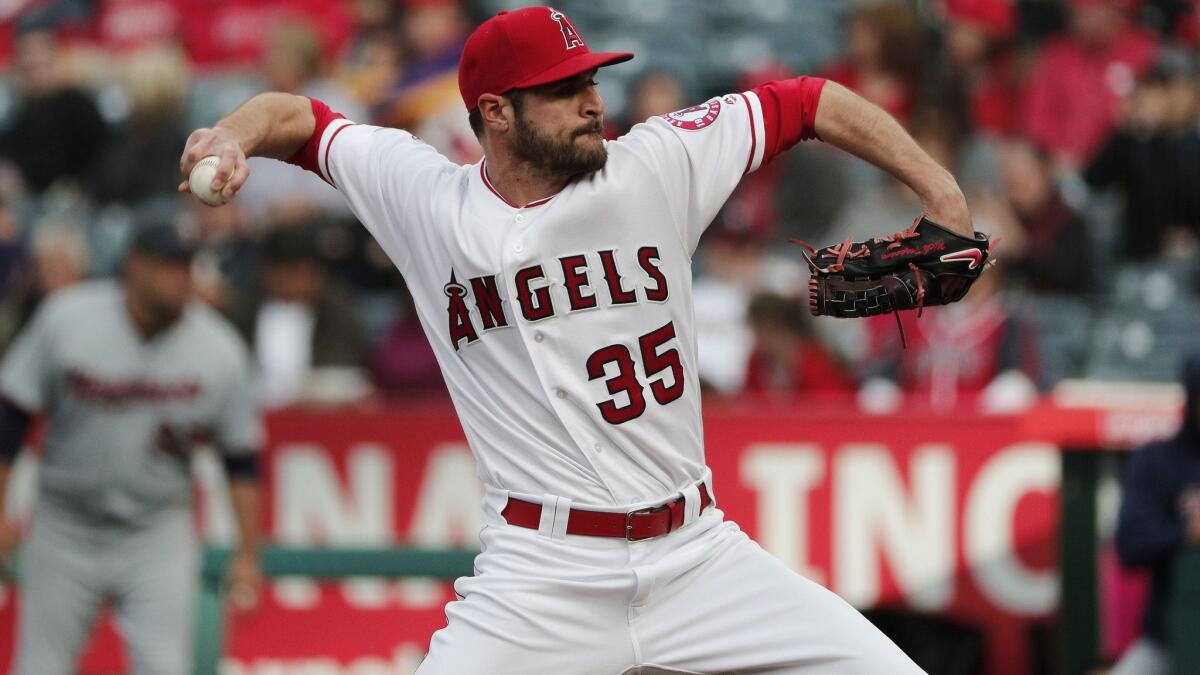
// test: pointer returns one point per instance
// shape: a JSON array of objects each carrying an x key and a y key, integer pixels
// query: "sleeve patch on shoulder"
[{"x": 696, "y": 117}]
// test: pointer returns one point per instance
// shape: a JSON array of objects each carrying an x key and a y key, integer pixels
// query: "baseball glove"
[{"x": 914, "y": 268}]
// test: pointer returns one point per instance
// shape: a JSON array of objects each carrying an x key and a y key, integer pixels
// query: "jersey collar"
[{"x": 488, "y": 183}]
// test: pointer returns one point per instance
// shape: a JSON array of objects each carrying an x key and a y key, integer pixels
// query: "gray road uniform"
[{"x": 113, "y": 516}]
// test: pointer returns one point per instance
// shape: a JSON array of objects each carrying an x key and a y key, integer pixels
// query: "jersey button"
[
  {"x": 538, "y": 336},
  {"x": 520, "y": 218},
  {"x": 561, "y": 393},
  {"x": 597, "y": 447},
  {"x": 519, "y": 247}
]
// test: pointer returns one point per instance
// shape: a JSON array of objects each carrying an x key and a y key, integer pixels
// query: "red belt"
[{"x": 638, "y": 525}]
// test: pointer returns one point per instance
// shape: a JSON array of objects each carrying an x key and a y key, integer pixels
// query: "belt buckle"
[{"x": 645, "y": 512}]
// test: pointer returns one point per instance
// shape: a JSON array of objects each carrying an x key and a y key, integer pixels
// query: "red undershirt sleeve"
[
  {"x": 308, "y": 156},
  {"x": 789, "y": 112}
]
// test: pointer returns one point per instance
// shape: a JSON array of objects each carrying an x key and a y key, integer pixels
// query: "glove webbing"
[{"x": 846, "y": 250}]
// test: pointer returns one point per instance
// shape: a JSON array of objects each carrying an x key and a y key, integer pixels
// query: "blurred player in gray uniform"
[{"x": 129, "y": 377}]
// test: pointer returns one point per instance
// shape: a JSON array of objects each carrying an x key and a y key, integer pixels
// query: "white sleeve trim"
[
  {"x": 323, "y": 148},
  {"x": 757, "y": 132}
]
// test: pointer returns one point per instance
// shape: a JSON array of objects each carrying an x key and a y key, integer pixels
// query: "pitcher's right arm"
[{"x": 273, "y": 124}]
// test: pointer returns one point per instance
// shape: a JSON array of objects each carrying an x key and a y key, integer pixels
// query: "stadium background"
[{"x": 1073, "y": 126}]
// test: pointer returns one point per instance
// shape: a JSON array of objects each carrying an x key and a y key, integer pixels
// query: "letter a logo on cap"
[{"x": 570, "y": 35}]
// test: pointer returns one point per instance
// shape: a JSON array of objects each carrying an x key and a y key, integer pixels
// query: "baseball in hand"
[{"x": 201, "y": 178}]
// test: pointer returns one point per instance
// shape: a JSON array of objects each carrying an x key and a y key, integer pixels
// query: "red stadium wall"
[{"x": 954, "y": 515}]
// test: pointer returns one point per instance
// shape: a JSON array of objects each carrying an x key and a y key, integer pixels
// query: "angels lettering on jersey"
[{"x": 588, "y": 281}]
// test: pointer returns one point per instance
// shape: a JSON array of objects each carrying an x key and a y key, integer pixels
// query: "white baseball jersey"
[{"x": 564, "y": 329}]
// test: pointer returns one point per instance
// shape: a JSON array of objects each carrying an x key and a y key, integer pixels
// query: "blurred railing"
[{"x": 316, "y": 564}]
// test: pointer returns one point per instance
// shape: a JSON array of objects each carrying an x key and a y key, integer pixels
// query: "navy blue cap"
[{"x": 164, "y": 241}]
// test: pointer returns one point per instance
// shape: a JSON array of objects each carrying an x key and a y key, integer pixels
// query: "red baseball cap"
[{"x": 525, "y": 48}]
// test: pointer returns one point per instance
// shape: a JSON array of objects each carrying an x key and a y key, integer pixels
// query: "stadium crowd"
[{"x": 1073, "y": 126}]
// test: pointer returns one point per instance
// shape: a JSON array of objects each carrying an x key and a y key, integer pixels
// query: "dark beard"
[{"x": 554, "y": 156}]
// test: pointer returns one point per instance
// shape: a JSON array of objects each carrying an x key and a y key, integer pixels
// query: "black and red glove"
[{"x": 922, "y": 266}]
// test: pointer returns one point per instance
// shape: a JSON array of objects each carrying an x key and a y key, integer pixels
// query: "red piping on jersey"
[
  {"x": 328, "y": 146},
  {"x": 488, "y": 183},
  {"x": 753, "y": 135}
]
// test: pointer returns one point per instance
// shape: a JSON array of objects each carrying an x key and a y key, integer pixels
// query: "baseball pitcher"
[{"x": 553, "y": 279}]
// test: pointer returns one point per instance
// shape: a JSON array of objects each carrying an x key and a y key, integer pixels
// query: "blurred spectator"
[
  {"x": 1160, "y": 515},
  {"x": 787, "y": 357},
  {"x": 404, "y": 365},
  {"x": 228, "y": 259},
  {"x": 1154, "y": 159},
  {"x": 55, "y": 131},
  {"x": 236, "y": 33},
  {"x": 974, "y": 350},
  {"x": 371, "y": 15},
  {"x": 11, "y": 249},
  {"x": 373, "y": 59},
  {"x": 426, "y": 100},
  {"x": 876, "y": 211},
  {"x": 1182, "y": 20},
  {"x": 654, "y": 93},
  {"x": 372, "y": 65},
  {"x": 68, "y": 17},
  {"x": 1080, "y": 80},
  {"x": 293, "y": 62},
  {"x": 58, "y": 257},
  {"x": 130, "y": 25},
  {"x": 734, "y": 265},
  {"x": 886, "y": 57},
  {"x": 752, "y": 203},
  {"x": 433, "y": 29},
  {"x": 980, "y": 64},
  {"x": 1045, "y": 241},
  {"x": 139, "y": 159},
  {"x": 307, "y": 341},
  {"x": 7, "y": 38}
]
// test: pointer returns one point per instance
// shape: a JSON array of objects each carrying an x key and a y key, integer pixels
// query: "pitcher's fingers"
[
  {"x": 183, "y": 187},
  {"x": 191, "y": 152},
  {"x": 225, "y": 168},
  {"x": 240, "y": 174}
]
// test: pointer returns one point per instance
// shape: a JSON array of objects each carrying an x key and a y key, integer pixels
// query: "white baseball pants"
[{"x": 703, "y": 599}]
